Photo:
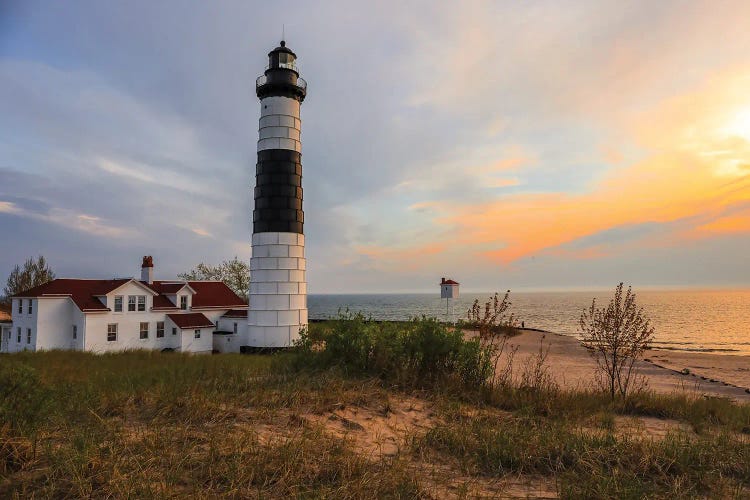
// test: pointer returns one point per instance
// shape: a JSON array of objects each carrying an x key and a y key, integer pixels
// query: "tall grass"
[
  {"x": 590, "y": 464},
  {"x": 145, "y": 424}
]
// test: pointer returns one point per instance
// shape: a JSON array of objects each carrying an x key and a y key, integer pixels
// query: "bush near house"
[{"x": 419, "y": 353}]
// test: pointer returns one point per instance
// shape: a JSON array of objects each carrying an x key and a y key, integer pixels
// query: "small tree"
[
  {"x": 494, "y": 325},
  {"x": 234, "y": 273},
  {"x": 492, "y": 319},
  {"x": 35, "y": 272},
  {"x": 616, "y": 336}
]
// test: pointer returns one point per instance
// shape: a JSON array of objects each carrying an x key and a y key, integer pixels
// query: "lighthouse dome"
[{"x": 282, "y": 57}]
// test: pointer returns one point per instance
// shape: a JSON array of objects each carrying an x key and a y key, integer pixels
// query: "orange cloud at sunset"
[{"x": 695, "y": 156}]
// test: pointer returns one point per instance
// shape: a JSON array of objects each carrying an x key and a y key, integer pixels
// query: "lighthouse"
[{"x": 278, "y": 289}]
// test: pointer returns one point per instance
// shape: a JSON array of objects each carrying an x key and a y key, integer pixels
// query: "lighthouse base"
[{"x": 278, "y": 290}]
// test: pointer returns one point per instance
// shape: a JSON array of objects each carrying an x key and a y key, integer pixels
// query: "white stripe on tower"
[
  {"x": 280, "y": 125},
  {"x": 278, "y": 290}
]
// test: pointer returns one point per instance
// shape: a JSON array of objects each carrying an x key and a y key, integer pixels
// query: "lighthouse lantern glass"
[{"x": 287, "y": 61}]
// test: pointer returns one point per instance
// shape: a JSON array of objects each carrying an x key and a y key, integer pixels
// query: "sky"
[{"x": 507, "y": 145}]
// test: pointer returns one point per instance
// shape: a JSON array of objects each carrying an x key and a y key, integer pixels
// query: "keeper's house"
[{"x": 119, "y": 314}]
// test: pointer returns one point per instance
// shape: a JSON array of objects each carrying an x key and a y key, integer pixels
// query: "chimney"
[
  {"x": 147, "y": 269},
  {"x": 442, "y": 281}
]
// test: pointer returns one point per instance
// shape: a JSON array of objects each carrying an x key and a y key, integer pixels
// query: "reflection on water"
[{"x": 706, "y": 320}]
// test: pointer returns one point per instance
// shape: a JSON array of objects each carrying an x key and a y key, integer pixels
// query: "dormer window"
[{"x": 183, "y": 302}]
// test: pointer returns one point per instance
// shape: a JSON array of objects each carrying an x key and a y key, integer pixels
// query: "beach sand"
[{"x": 571, "y": 366}]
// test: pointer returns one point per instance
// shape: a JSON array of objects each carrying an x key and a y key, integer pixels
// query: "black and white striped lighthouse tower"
[{"x": 278, "y": 290}]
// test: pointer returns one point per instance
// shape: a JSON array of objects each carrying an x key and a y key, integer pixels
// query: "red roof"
[
  {"x": 235, "y": 313},
  {"x": 190, "y": 320},
  {"x": 170, "y": 287},
  {"x": 161, "y": 302},
  {"x": 83, "y": 292},
  {"x": 449, "y": 282},
  {"x": 214, "y": 294},
  {"x": 208, "y": 294}
]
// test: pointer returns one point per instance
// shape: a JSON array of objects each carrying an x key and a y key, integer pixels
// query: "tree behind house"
[
  {"x": 35, "y": 272},
  {"x": 234, "y": 273}
]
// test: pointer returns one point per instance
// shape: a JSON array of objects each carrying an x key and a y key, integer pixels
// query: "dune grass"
[{"x": 152, "y": 425}]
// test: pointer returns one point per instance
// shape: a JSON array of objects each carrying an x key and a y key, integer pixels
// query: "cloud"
[
  {"x": 71, "y": 220},
  {"x": 676, "y": 183},
  {"x": 436, "y": 138}
]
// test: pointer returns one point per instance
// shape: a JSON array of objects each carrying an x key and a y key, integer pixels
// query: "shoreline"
[
  {"x": 699, "y": 373},
  {"x": 706, "y": 374},
  {"x": 661, "y": 345}
]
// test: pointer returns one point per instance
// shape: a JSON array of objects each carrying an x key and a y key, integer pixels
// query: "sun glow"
[{"x": 738, "y": 124}]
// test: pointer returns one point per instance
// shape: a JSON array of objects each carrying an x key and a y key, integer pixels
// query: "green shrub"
[{"x": 418, "y": 353}]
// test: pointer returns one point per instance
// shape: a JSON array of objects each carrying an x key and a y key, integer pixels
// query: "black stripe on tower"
[{"x": 278, "y": 192}]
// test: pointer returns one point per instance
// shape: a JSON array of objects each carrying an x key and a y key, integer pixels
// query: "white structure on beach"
[
  {"x": 126, "y": 313},
  {"x": 448, "y": 291}
]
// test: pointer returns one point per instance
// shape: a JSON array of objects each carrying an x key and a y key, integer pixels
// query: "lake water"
[{"x": 704, "y": 320}]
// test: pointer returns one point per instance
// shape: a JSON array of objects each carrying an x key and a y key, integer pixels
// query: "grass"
[{"x": 152, "y": 425}]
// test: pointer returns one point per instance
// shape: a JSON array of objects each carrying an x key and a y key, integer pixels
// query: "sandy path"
[{"x": 572, "y": 367}]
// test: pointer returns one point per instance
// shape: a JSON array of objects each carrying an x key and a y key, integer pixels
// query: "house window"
[
  {"x": 159, "y": 329},
  {"x": 174, "y": 331},
  {"x": 20, "y": 306},
  {"x": 197, "y": 334},
  {"x": 112, "y": 332},
  {"x": 144, "y": 330},
  {"x": 18, "y": 336},
  {"x": 30, "y": 306},
  {"x": 131, "y": 303},
  {"x": 235, "y": 328},
  {"x": 75, "y": 332},
  {"x": 28, "y": 335},
  {"x": 141, "y": 302},
  {"x": 118, "y": 303},
  {"x": 183, "y": 302}
]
